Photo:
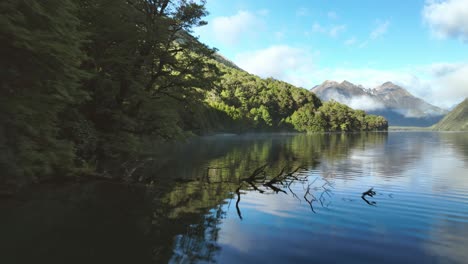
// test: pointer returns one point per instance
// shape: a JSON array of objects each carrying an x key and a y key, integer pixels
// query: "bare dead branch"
[
  {"x": 237, "y": 202},
  {"x": 369, "y": 193}
]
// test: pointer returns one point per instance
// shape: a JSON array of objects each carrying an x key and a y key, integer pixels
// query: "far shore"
[{"x": 409, "y": 128}]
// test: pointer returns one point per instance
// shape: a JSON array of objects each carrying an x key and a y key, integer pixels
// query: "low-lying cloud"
[
  {"x": 441, "y": 84},
  {"x": 365, "y": 103}
]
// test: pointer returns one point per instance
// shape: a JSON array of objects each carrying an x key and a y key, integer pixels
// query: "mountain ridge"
[
  {"x": 455, "y": 120},
  {"x": 392, "y": 101}
]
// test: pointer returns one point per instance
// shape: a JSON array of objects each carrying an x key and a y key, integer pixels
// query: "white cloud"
[
  {"x": 281, "y": 62},
  {"x": 447, "y": 18},
  {"x": 316, "y": 27},
  {"x": 263, "y": 12},
  {"x": 332, "y": 31},
  {"x": 452, "y": 85},
  {"x": 363, "y": 44},
  {"x": 279, "y": 35},
  {"x": 364, "y": 102},
  {"x": 351, "y": 41},
  {"x": 332, "y": 15},
  {"x": 229, "y": 29},
  {"x": 380, "y": 30},
  {"x": 336, "y": 30},
  {"x": 441, "y": 84},
  {"x": 441, "y": 69},
  {"x": 302, "y": 11}
]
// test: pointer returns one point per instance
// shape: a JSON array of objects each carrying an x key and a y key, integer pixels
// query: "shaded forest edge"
[{"x": 88, "y": 81}]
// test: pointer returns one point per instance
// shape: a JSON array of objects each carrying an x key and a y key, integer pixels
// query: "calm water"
[{"x": 211, "y": 201}]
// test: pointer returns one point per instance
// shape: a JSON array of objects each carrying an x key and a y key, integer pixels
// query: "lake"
[{"x": 266, "y": 198}]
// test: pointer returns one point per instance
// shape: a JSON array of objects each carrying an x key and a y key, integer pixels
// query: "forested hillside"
[
  {"x": 456, "y": 120},
  {"x": 85, "y": 81},
  {"x": 252, "y": 103}
]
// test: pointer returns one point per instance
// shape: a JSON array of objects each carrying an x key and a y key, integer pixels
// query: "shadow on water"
[{"x": 176, "y": 213}]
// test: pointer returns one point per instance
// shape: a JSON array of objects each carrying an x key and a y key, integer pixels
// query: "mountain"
[
  {"x": 395, "y": 103},
  {"x": 226, "y": 62},
  {"x": 456, "y": 120}
]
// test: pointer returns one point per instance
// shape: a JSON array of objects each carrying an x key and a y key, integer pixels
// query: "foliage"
[
  {"x": 86, "y": 84},
  {"x": 85, "y": 81},
  {"x": 40, "y": 51},
  {"x": 256, "y": 104}
]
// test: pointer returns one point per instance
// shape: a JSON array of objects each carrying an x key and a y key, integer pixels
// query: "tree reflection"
[
  {"x": 199, "y": 242},
  {"x": 259, "y": 181},
  {"x": 206, "y": 173},
  {"x": 173, "y": 203}
]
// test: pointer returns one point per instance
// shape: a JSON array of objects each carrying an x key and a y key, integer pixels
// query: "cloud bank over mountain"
[
  {"x": 447, "y": 18},
  {"x": 393, "y": 102}
]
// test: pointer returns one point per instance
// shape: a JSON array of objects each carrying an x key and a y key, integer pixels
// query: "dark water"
[{"x": 203, "y": 204}]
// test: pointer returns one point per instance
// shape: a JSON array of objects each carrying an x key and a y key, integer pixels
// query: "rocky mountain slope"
[
  {"x": 456, "y": 120},
  {"x": 395, "y": 103}
]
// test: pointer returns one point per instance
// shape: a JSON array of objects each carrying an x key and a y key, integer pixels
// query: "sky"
[{"x": 421, "y": 45}]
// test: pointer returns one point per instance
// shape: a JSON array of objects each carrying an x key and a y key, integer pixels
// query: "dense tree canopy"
[
  {"x": 256, "y": 104},
  {"x": 88, "y": 81},
  {"x": 40, "y": 50},
  {"x": 83, "y": 81}
]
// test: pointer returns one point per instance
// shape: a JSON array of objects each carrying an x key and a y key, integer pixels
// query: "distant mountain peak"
[
  {"x": 387, "y": 97},
  {"x": 391, "y": 88},
  {"x": 329, "y": 83},
  {"x": 388, "y": 86}
]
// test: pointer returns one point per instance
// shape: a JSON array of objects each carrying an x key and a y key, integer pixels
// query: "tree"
[
  {"x": 40, "y": 50},
  {"x": 148, "y": 72}
]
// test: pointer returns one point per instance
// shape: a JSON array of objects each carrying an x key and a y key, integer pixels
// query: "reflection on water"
[{"x": 259, "y": 198}]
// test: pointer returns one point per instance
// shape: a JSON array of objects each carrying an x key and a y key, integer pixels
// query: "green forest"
[{"x": 88, "y": 81}]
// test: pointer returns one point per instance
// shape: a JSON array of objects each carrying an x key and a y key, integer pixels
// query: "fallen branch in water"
[
  {"x": 313, "y": 197},
  {"x": 293, "y": 193},
  {"x": 284, "y": 180},
  {"x": 278, "y": 179},
  {"x": 237, "y": 202},
  {"x": 253, "y": 178},
  {"x": 257, "y": 171},
  {"x": 129, "y": 171},
  {"x": 369, "y": 193}
]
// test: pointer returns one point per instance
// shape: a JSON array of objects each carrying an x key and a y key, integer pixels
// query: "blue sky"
[{"x": 419, "y": 44}]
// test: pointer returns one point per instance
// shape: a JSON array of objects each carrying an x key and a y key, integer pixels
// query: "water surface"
[{"x": 202, "y": 202}]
